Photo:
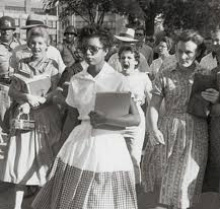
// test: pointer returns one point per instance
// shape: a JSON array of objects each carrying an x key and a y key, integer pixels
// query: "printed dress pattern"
[
  {"x": 93, "y": 169},
  {"x": 177, "y": 168}
]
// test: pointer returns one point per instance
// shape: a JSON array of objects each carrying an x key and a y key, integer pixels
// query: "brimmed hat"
[
  {"x": 34, "y": 21},
  {"x": 127, "y": 35}
]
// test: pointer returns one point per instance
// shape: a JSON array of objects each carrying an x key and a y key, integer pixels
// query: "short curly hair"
[
  {"x": 131, "y": 49},
  {"x": 38, "y": 32},
  {"x": 103, "y": 33}
]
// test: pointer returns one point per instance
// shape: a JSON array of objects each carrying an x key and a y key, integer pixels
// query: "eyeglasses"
[
  {"x": 92, "y": 49},
  {"x": 73, "y": 34},
  {"x": 139, "y": 34}
]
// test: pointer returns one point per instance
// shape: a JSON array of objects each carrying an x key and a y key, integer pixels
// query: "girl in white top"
[
  {"x": 140, "y": 86},
  {"x": 93, "y": 168}
]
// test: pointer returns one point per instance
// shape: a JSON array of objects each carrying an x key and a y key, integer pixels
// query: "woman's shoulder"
[{"x": 201, "y": 69}]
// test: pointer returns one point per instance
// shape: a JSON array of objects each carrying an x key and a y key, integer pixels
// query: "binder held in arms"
[
  {"x": 113, "y": 104},
  {"x": 198, "y": 106},
  {"x": 39, "y": 85}
]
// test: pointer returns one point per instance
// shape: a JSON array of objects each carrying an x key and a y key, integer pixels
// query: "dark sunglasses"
[
  {"x": 92, "y": 49},
  {"x": 74, "y": 34},
  {"x": 139, "y": 34}
]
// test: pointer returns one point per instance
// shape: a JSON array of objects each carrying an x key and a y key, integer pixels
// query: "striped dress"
[
  {"x": 176, "y": 169},
  {"x": 93, "y": 169}
]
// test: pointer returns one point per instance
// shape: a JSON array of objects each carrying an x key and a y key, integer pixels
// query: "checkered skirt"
[{"x": 85, "y": 176}]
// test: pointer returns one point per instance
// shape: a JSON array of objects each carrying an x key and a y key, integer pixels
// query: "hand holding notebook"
[
  {"x": 112, "y": 104},
  {"x": 39, "y": 85},
  {"x": 202, "y": 86}
]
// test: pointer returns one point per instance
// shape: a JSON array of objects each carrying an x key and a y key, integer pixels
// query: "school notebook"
[
  {"x": 198, "y": 106},
  {"x": 113, "y": 104},
  {"x": 39, "y": 85}
]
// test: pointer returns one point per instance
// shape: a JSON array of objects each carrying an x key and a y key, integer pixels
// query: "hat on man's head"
[
  {"x": 34, "y": 20},
  {"x": 127, "y": 35}
]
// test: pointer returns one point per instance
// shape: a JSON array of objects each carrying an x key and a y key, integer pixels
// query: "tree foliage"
[
  {"x": 202, "y": 15},
  {"x": 92, "y": 11}
]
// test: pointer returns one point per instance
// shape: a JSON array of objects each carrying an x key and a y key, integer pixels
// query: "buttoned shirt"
[{"x": 23, "y": 51}]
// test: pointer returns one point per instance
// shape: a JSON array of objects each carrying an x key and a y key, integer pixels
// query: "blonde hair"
[{"x": 38, "y": 32}]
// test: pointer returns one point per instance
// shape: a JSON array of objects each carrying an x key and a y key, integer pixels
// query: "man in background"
[
  {"x": 127, "y": 37},
  {"x": 68, "y": 47},
  {"x": 146, "y": 50},
  {"x": 7, "y": 44}
]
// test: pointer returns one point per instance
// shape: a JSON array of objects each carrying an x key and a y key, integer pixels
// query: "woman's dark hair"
[
  {"x": 190, "y": 35},
  {"x": 131, "y": 49},
  {"x": 102, "y": 33},
  {"x": 168, "y": 41},
  {"x": 194, "y": 36}
]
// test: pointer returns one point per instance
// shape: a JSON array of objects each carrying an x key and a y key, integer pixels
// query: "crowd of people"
[{"x": 68, "y": 154}]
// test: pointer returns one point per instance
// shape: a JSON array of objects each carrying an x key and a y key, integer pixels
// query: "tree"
[
  {"x": 202, "y": 15},
  {"x": 91, "y": 11}
]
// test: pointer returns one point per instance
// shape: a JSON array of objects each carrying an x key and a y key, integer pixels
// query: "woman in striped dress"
[
  {"x": 175, "y": 158},
  {"x": 93, "y": 169}
]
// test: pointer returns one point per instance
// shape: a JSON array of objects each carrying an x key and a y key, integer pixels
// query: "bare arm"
[{"x": 152, "y": 119}]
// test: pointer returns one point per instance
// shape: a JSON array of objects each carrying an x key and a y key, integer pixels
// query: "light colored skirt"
[
  {"x": 93, "y": 170},
  {"x": 29, "y": 155}
]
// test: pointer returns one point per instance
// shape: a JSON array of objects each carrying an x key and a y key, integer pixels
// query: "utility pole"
[
  {"x": 58, "y": 26},
  {"x": 27, "y": 6},
  {"x": 2, "y": 7}
]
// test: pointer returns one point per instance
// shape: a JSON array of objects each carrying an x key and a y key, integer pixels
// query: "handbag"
[{"x": 22, "y": 122}]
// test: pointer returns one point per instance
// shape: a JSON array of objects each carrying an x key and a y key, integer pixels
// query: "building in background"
[{"x": 20, "y": 9}]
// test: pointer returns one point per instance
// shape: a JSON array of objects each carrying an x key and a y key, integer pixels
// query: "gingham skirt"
[{"x": 93, "y": 170}]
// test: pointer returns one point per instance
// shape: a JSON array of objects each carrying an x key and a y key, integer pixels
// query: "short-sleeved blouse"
[
  {"x": 83, "y": 88},
  {"x": 174, "y": 85}
]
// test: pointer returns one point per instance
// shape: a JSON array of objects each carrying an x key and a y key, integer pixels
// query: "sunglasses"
[
  {"x": 92, "y": 49},
  {"x": 73, "y": 34},
  {"x": 139, "y": 34}
]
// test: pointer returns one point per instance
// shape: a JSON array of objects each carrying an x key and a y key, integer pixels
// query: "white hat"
[
  {"x": 34, "y": 20},
  {"x": 127, "y": 35}
]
